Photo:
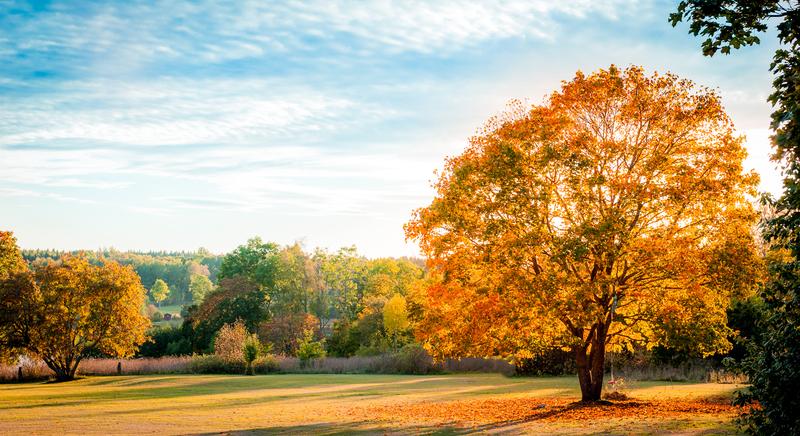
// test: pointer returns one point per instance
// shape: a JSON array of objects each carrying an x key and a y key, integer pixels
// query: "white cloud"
[
  {"x": 140, "y": 32},
  {"x": 174, "y": 112},
  {"x": 27, "y": 193}
]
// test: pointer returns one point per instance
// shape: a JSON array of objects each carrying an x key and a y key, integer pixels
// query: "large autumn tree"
[
  {"x": 615, "y": 213},
  {"x": 65, "y": 310}
]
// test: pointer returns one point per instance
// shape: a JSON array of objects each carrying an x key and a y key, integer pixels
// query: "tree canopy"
[
  {"x": 159, "y": 292},
  {"x": 395, "y": 317},
  {"x": 63, "y": 311},
  {"x": 599, "y": 218},
  {"x": 200, "y": 286}
]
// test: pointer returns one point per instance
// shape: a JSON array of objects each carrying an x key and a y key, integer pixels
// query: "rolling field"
[{"x": 361, "y": 404}]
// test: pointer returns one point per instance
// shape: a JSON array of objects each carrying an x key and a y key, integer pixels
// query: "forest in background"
[{"x": 280, "y": 292}]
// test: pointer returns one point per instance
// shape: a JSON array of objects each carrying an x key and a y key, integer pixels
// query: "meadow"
[{"x": 357, "y": 404}]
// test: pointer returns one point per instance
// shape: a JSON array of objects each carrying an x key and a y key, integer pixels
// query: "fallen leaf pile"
[{"x": 506, "y": 410}]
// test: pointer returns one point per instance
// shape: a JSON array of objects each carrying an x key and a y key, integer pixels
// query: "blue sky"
[{"x": 174, "y": 125}]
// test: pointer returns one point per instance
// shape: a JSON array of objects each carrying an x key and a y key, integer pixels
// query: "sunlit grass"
[
  {"x": 181, "y": 404},
  {"x": 172, "y": 308}
]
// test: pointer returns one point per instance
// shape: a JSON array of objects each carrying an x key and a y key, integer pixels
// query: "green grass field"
[
  {"x": 344, "y": 404},
  {"x": 173, "y": 308}
]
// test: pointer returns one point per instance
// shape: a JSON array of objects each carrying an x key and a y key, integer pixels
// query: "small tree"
[
  {"x": 310, "y": 348},
  {"x": 251, "y": 351},
  {"x": 395, "y": 317},
  {"x": 230, "y": 341},
  {"x": 159, "y": 292}
]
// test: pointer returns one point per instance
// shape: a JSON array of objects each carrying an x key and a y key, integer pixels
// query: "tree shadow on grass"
[
  {"x": 354, "y": 428},
  {"x": 567, "y": 412},
  {"x": 127, "y": 388}
]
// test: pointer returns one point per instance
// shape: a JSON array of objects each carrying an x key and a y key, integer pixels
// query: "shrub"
[
  {"x": 211, "y": 364},
  {"x": 166, "y": 341},
  {"x": 214, "y": 364},
  {"x": 161, "y": 365},
  {"x": 376, "y": 348},
  {"x": 363, "y": 336},
  {"x": 413, "y": 359},
  {"x": 773, "y": 359},
  {"x": 343, "y": 341},
  {"x": 479, "y": 364},
  {"x": 551, "y": 362},
  {"x": 157, "y": 316},
  {"x": 181, "y": 347},
  {"x": 229, "y": 341},
  {"x": 309, "y": 348},
  {"x": 266, "y": 364},
  {"x": 251, "y": 350},
  {"x": 167, "y": 316}
]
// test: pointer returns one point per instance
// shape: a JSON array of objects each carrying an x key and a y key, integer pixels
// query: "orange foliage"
[
  {"x": 613, "y": 214},
  {"x": 510, "y": 410},
  {"x": 66, "y": 310}
]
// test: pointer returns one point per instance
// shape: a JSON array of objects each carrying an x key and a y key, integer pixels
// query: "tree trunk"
[
  {"x": 590, "y": 361},
  {"x": 65, "y": 371}
]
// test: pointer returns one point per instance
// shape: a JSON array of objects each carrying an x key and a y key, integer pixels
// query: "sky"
[{"x": 149, "y": 125}]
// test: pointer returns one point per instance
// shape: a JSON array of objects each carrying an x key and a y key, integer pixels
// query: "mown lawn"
[
  {"x": 346, "y": 404},
  {"x": 172, "y": 308}
]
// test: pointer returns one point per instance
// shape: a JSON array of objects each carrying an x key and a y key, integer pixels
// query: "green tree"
[
  {"x": 294, "y": 281},
  {"x": 257, "y": 261},
  {"x": 159, "y": 292},
  {"x": 310, "y": 348},
  {"x": 251, "y": 350},
  {"x": 345, "y": 276},
  {"x": 321, "y": 298},
  {"x": 235, "y": 298},
  {"x": 200, "y": 286},
  {"x": 773, "y": 363}
]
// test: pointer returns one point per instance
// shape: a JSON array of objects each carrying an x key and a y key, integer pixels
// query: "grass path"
[{"x": 346, "y": 404}]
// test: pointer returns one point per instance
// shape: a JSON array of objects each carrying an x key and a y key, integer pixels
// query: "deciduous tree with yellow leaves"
[
  {"x": 614, "y": 213},
  {"x": 63, "y": 311},
  {"x": 395, "y": 317}
]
